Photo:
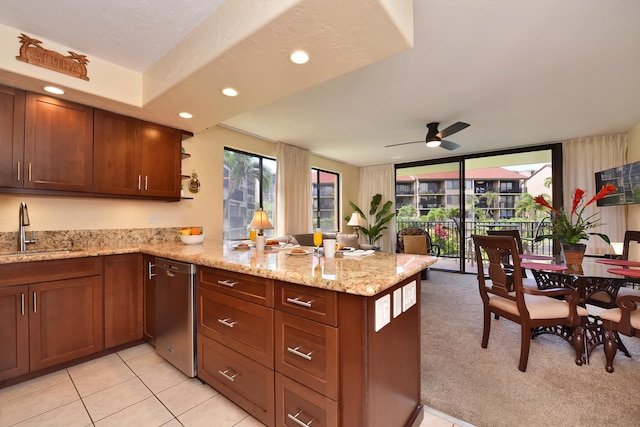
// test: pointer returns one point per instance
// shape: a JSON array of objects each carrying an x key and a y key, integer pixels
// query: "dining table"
[{"x": 597, "y": 280}]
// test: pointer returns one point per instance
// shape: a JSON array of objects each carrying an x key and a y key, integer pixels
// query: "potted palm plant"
[{"x": 373, "y": 231}]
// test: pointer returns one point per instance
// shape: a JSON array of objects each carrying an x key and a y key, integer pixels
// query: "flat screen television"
[{"x": 626, "y": 179}]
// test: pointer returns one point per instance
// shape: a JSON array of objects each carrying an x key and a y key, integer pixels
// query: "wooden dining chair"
[
  {"x": 624, "y": 319},
  {"x": 629, "y": 236},
  {"x": 503, "y": 294}
]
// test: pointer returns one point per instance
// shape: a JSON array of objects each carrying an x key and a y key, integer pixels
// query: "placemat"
[
  {"x": 539, "y": 257},
  {"x": 542, "y": 266},
  {"x": 623, "y": 262},
  {"x": 625, "y": 272}
]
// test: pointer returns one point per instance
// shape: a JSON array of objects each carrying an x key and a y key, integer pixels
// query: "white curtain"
[
  {"x": 293, "y": 191},
  {"x": 373, "y": 180},
  {"x": 582, "y": 158}
]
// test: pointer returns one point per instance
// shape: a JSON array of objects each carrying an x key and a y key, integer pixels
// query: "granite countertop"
[{"x": 366, "y": 275}]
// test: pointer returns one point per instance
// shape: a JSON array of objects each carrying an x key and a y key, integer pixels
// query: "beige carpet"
[{"x": 484, "y": 386}]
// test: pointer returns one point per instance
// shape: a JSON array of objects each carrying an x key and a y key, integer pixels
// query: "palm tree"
[
  {"x": 526, "y": 207},
  {"x": 491, "y": 198},
  {"x": 548, "y": 181}
]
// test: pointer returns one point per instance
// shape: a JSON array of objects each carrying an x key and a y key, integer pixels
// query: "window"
[
  {"x": 324, "y": 191},
  {"x": 249, "y": 183}
]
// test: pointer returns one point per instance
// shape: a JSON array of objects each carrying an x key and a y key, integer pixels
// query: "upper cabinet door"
[
  {"x": 161, "y": 160},
  {"x": 58, "y": 145},
  {"x": 117, "y": 144},
  {"x": 12, "y": 103}
]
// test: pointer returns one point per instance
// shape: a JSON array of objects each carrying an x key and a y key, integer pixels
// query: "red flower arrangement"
[{"x": 572, "y": 228}]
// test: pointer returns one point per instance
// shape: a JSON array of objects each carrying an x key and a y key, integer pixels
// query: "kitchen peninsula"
[{"x": 342, "y": 349}]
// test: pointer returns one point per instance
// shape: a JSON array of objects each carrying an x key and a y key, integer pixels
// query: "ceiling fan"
[{"x": 435, "y": 138}]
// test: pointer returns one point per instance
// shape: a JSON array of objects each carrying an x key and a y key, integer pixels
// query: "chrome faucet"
[{"x": 23, "y": 221}]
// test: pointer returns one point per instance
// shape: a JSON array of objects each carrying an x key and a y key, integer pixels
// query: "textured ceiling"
[{"x": 521, "y": 73}]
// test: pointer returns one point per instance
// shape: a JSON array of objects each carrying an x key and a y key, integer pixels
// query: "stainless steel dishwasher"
[{"x": 175, "y": 314}]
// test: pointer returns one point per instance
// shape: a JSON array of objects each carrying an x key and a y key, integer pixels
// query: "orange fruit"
[{"x": 195, "y": 231}]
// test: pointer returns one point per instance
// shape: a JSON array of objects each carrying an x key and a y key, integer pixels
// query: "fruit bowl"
[{"x": 193, "y": 239}]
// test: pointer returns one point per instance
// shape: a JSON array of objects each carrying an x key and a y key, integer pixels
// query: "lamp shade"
[
  {"x": 261, "y": 221},
  {"x": 356, "y": 220}
]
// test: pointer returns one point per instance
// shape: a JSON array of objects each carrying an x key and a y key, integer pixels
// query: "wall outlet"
[
  {"x": 383, "y": 312},
  {"x": 409, "y": 296},
  {"x": 397, "y": 302},
  {"x": 153, "y": 218}
]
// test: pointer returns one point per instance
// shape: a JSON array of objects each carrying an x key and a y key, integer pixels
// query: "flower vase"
[{"x": 573, "y": 254}]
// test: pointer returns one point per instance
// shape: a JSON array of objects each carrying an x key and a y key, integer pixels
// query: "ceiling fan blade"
[
  {"x": 456, "y": 127},
  {"x": 448, "y": 145},
  {"x": 402, "y": 143}
]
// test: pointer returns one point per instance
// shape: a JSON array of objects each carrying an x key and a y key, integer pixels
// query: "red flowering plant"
[{"x": 573, "y": 227}]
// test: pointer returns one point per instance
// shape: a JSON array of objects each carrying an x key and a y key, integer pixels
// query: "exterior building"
[
  {"x": 490, "y": 192},
  {"x": 324, "y": 193}
]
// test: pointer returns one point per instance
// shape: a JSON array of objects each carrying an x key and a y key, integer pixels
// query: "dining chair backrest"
[
  {"x": 510, "y": 233},
  {"x": 629, "y": 236}
]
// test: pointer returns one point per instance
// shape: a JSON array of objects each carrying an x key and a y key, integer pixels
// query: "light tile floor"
[{"x": 134, "y": 387}]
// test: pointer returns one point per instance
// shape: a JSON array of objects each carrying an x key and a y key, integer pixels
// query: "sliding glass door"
[{"x": 452, "y": 200}]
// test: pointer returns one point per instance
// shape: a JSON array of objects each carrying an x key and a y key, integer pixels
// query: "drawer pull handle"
[
  {"x": 299, "y": 353},
  {"x": 226, "y": 322},
  {"x": 295, "y": 419},
  {"x": 227, "y": 283},
  {"x": 227, "y": 376},
  {"x": 297, "y": 301}
]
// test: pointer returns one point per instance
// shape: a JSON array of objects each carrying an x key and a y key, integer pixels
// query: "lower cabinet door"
[
  {"x": 14, "y": 332},
  {"x": 297, "y": 405},
  {"x": 122, "y": 299},
  {"x": 66, "y": 320},
  {"x": 247, "y": 383}
]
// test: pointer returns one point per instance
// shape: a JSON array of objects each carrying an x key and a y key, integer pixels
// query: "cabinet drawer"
[
  {"x": 297, "y": 405},
  {"x": 46, "y": 271},
  {"x": 249, "y": 288},
  {"x": 247, "y": 383},
  {"x": 240, "y": 325},
  {"x": 307, "y": 352},
  {"x": 316, "y": 304}
]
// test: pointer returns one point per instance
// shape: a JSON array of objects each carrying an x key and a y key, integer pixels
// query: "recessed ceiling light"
[
  {"x": 185, "y": 115},
  {"x": 229, "y": 91},
  {"x": 299, "y": 57},
  {"x": 54, "y": 90}
]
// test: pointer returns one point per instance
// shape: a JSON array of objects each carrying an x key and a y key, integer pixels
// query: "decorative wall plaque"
[{"x": 31, "y": 52}]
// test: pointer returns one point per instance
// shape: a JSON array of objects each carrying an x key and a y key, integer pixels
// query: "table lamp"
[
  {"x": 260, "y": 222},
  {"x": 356, "y": 220}
]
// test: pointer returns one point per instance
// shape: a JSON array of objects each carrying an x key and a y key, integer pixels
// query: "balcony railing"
[{"x": 446, "y": 234}]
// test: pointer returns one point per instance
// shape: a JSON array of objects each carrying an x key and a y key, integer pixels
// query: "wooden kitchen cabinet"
[
  {"x": 123, "y": 304},
  {"x": 14, "y": 331},
  {"x": 12, "y": 108},
  {"x": 65, "y": 320},
  {"x": 235, "y": 339},
  {"x": 51, "y": 312},
  {"x": 58, "y": 149},
  {"x": 161, "y": 161},
  {"x": 333, "y": 367},
  {"x": 137, "y": 158},
  {"x": 149, "y": 294},
  {"x": 117, "y": 153},
  {"x": 330, "y": 366}
]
